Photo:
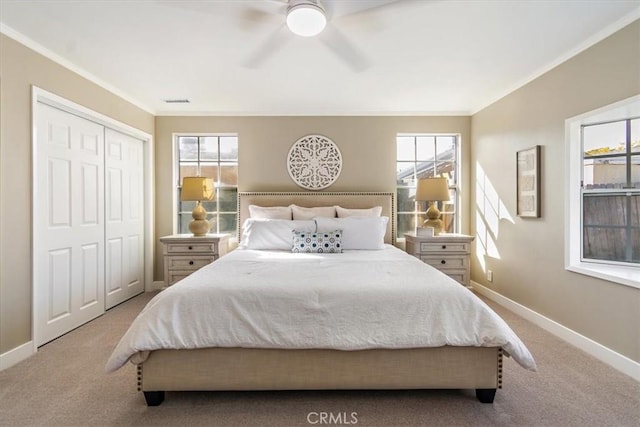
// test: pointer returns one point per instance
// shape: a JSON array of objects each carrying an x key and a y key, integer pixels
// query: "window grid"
[
  {"x": 610, "y": 199},
  {"x": 425, "y": 156},
  {"x": 197, "y": 158}
]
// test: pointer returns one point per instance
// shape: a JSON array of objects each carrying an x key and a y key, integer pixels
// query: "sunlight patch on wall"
[{"x": 489, "y": 211}]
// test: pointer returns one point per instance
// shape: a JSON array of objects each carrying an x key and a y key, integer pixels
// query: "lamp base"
[
  {"x": 199, "y": 226},
  {"x": 433, "y": 219}
]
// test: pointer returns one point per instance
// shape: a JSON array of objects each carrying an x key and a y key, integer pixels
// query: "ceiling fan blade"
[
  {"x": 251, "y": 18},
  {"x": 356, "y": 8},
  {"x": 333, "y": 38},
  {"x": 199, "y": 7},
  {"x": 274, "y": 42},
  {"x": 277, "y": 10},
  {"x": 248, "y": 13}
]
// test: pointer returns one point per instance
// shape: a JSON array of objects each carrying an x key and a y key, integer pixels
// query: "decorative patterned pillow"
[{"x": 329, "y": 242}]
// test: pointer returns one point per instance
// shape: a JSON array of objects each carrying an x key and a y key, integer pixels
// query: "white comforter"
[{"x": 350, "y": 301}]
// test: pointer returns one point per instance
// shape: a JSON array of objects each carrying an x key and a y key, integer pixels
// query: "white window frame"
[
  {"x": 615, "y": 272},
  {"x": 419, "y": 207},
  {"x": 176, "y": 175}
]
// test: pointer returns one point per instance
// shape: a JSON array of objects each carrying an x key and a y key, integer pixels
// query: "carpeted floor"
[{"x": 64, "y": 384}]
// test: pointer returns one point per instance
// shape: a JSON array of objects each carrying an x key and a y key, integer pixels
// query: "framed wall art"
[
  {"x": 528, "y": 182},
  {"x": 314, "y": 162}
]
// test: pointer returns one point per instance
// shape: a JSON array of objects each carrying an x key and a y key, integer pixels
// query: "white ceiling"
[{"x": 235, "y": 57}]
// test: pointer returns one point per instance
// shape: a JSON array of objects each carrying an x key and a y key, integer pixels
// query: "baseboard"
[
  {"x": 589, "y": 346},
  {"x": 16, "y": 355}
]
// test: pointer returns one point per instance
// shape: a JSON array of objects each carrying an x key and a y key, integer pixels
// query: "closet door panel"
[
  {"x": 60, "y": 284},
  {"x": 90, "y": 204},
  {"x": 114, "y": 263},
  {"x": 68, "y": 223},
  {"x": 59, "y": 193},
  {"x": 125, "y": 220},
  {"x": 91, "y": 269}
]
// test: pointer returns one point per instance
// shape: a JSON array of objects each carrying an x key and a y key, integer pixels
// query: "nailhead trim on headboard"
[
  {"x": 500, "y": 351},
  {"x": 139, "y": 370}
]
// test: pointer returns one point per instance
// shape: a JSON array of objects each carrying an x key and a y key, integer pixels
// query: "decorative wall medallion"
[{"x": 314, "y": 162}]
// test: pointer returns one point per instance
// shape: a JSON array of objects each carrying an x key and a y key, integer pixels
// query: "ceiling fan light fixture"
[{"x": 306, "y": 19}]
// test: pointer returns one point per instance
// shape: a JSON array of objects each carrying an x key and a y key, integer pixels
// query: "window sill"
[{"x": 628, "y": 276}]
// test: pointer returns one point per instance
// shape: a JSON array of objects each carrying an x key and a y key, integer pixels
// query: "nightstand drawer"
[
  {"x": 449, "y": 253},
  {"x": 181, "y": 248},
  {"x": 442, "y": 262},
  {"x": 174, "y": 276},
  {"x": 185, "y": 253},
  {"x": 444, "y": 247},
  {"x": 459, "y": 275},
  {"x": 188, "y": 263}
]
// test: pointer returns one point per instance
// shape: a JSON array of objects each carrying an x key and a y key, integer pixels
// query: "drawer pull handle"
[
  {"x": 190, "y": 247},
  {"x": 190, "y": 262},
  {"x": 444, "y": 246},
  {"x": 443, "y": 262}
]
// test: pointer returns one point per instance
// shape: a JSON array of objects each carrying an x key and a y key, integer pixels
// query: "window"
[
  {"x": 602, "y": 220},
  {"x": 611, "y": 191},
  {"x": 425, "y": 156},
  {"x": 213, "y": 156}
]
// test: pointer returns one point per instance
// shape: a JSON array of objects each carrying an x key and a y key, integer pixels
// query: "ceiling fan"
[
  {"x": 315, "y": 18},
  {"x": 306, "y": 18}
]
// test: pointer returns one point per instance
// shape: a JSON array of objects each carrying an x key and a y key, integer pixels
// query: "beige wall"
[
  {"x": 529, "y": 264},
  {"x": 20, "y": 68},
  {"x": 367, "y": 145}
]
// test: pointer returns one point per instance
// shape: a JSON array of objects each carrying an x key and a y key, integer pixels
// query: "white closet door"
[
  {"x": 69, "y": 282},
  {"x": 124, "y": 217}
]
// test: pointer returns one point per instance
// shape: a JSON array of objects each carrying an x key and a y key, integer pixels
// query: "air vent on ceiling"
[{"x": 176, "y": 101}]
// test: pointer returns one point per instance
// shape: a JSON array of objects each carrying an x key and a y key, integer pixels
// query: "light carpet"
[{"x": 64, "y": 384}]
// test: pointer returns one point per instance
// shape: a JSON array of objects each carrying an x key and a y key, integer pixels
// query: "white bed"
[{"x": 267, "y": 319}]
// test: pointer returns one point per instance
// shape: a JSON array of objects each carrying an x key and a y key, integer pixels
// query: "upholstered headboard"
[{"x": 349, "y": 200}]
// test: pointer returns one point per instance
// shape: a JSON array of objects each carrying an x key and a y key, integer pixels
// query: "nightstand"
[
  {"x": 449, "y": 253},
  {"x": 186, "y": 253}
]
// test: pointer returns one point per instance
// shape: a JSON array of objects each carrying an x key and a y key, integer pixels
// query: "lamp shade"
[
  {"x": 430, "y": 189},
  {"x": 306, "y": 18},
  {"x": 197, "y": 188}
]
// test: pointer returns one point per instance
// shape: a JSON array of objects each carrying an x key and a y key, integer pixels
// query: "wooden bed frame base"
[{"x": 216, "y": 369}]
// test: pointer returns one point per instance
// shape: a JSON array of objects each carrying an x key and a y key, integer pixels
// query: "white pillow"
[
  {"x": 270, "y": 212},
  {"x": 300, "y": 212},
  {"x": 358, "y": 232},
  {"x": 272, "y": 234},
  {"x": 345, "y": 213}
]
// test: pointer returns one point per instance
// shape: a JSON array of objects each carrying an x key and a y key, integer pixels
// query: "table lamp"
[
  {"x": 433, "y": 190},
  {"x": 197, "y": 189}
]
